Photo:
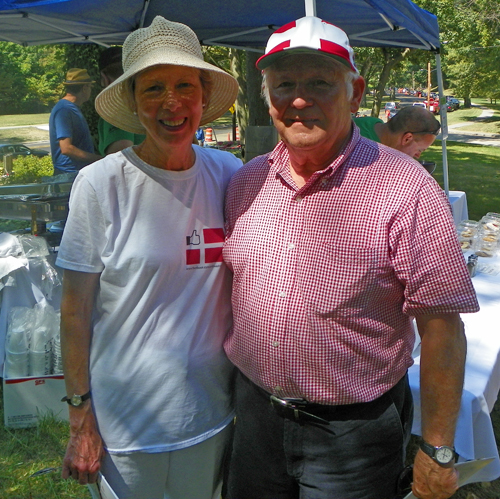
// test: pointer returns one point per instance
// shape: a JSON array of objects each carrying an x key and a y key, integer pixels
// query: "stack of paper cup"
[
  {"x": 40, "y": 352},
  {"x": 16, "y": 354}
]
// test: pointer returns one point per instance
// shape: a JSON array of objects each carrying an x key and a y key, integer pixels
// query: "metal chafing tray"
[{"x": 39, "y": 203}]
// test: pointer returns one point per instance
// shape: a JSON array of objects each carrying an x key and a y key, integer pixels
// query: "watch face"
[
  {"x": 444, "y": 455},
  {"x": 76, "y": 400}
]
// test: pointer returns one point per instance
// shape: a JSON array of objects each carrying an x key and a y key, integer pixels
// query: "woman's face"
[{"x": 169, "y": 103}]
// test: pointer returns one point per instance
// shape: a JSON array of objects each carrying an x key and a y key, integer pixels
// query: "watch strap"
[{"x": 83, "y": 398}]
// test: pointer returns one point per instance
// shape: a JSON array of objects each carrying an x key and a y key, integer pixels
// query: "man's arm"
[
  {"x": 85, "y": 449},
  {"x": 442, "y": 365},
  {"x": 76, "y": 154}
]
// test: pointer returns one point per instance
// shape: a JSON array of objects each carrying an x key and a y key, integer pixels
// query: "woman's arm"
[{"x": 85, "y": 449}]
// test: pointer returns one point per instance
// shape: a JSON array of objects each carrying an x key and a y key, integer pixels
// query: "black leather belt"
[
  {"x": 295, "y": 409},
  {"x": 300, "y": 410}
]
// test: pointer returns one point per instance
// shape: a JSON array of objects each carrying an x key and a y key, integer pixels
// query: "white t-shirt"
[{"x": 159, "y": 377}]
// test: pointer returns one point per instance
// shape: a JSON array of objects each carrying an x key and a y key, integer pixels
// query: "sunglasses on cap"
[{"x": 426, "y": 132}]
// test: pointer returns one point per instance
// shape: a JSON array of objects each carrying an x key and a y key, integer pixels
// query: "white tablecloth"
[
  {"x": 458, "y": 201},
  {"x": 474, "y": 436}
]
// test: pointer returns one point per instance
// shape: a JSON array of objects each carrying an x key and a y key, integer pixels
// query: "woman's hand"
[{"x": 85, "y": 450}]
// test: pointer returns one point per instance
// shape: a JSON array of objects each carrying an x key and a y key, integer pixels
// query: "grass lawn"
[
  {"x": 472, "y": 168},
  {"x": 24, "y": 451},
  {"x": 24, "y": 119}
]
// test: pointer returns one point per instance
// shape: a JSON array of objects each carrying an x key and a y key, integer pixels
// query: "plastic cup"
[{"x": 16, "y": 364}]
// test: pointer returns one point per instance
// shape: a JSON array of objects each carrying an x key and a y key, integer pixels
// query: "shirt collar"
[{"x": 279, "y": 159}]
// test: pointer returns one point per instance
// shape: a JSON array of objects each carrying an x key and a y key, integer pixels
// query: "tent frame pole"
[
  {"x": 310, "y": 6},
  {"x": 444, "y": 123}
]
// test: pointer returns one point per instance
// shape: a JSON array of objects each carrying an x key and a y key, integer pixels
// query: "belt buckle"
[{"x": 294, "y": 406}]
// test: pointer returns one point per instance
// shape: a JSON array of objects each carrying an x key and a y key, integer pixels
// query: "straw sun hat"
[{"x": 164, "y": 42}]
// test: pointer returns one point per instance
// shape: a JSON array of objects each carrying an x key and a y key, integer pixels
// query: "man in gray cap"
[
  {"x": 70, "y": 140},
  {"x": 335, "y": 242}
]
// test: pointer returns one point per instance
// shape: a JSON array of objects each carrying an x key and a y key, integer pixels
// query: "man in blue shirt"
[{"x": 70, "y": 140}]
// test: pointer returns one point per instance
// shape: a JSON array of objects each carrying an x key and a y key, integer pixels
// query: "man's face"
[
  {"x": 87, "y": 90},
  {"x": 309, "y": 104},
  {"x": 415, "y": 144}
]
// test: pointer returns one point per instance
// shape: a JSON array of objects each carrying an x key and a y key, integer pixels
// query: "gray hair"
[{"x": 350, "y": 77}]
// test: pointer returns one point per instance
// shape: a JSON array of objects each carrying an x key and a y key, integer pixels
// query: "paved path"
[{"x": 482, "y": 138}]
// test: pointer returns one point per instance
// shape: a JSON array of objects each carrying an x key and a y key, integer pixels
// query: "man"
[
  {"x": 70, "y": 140},
  {"x": 111, "y": 138},
  {"x": 335, "y": 242},
  {"x": 412, "y": 130}
]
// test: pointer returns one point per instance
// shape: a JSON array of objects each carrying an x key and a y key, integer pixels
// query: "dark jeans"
[{"x": 358, "y": 455}]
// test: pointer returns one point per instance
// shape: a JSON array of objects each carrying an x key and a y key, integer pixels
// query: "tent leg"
[{"x": 444, "y": 123}]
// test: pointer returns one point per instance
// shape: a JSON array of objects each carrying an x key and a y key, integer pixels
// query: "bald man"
[{"x": 412, "y": 130}]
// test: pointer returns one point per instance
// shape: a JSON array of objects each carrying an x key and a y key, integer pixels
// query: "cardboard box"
[{"x": 26, "y": 399}]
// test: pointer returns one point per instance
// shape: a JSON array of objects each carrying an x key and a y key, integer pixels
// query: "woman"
[{"x": 146, "y": 298}]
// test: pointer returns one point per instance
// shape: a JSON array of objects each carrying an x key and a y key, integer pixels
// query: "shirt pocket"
[{"x": 339, "y": 280}]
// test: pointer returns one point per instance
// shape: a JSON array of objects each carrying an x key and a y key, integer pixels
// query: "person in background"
[
  {"x": 71, "y": 144},
  {"x": 200, "y": 136},
  {"x": 111, "y": 138},
  {"x": 411, "y": 130},
  {"x": 335, "y": 243},
  {"x": 146, "y": 297}
]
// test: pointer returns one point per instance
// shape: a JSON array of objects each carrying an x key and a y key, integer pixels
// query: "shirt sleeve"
[
  {"x": 427, "y": 257},
  {"x": 84, "y": 236},
  {"x": 112, "y": 134}
]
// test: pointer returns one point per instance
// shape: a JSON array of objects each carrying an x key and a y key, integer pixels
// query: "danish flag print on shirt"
[{"x": 204, "y": 248}]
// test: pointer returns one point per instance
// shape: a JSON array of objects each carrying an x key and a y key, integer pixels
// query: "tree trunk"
[
  {"x": 238, "y": 67},
  {"x": 258, "y": 114},
  {"x": 391, "y": 58}
]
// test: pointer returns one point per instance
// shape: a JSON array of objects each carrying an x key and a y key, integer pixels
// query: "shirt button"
[
  {"x": 278, "y": 388},
  {"x": 291, "y": 245},
  {"x": 276, "y": 343},
  {"x": 298, "y": 199},
  {"x": 282, "y": 294}
]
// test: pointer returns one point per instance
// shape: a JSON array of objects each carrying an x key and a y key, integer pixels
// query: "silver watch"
[{"x": 443, "y": 455}]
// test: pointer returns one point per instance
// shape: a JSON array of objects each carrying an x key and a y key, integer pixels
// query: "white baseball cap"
[{"x": 305, "y": 35}]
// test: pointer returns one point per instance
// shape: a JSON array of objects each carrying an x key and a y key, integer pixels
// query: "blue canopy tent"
[{"x": 245, "y": 24}]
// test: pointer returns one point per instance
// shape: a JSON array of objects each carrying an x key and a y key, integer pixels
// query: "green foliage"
[
  {"x": 31, "y": 77},
  {"x": 30, "y": 169}
]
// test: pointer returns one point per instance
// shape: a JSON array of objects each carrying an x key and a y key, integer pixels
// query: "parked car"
[
  {"x": 20, "y": 150},
  {"x": 455, "y": 103},
  {"x": 391, "y": 105},
  {"x": 433, "y": 108}
]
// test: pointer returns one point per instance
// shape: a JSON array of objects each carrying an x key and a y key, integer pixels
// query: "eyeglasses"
[{"x": 426, "y": 132}]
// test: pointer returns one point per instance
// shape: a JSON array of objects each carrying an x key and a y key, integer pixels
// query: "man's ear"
[
  {"x": 358, "y": 91},
  {"x": 406, "y": 138}
]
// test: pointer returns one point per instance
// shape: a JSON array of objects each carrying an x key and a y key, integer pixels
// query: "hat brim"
[
  {"x": 266, "y": 60},
  {"x": 112, "y": 103}
]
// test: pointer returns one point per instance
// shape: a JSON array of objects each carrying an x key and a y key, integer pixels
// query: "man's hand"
[
  {"x": 431, "y": 481},
  {"x": 85, "y": 450}
]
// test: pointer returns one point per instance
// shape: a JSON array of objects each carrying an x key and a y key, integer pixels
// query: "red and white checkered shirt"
[{"x": 326, "y": 277}]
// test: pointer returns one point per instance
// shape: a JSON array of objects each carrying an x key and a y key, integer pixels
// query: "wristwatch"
[
  {"x": 443, "y": 454},
  {"x": 76, "y": 400}
]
